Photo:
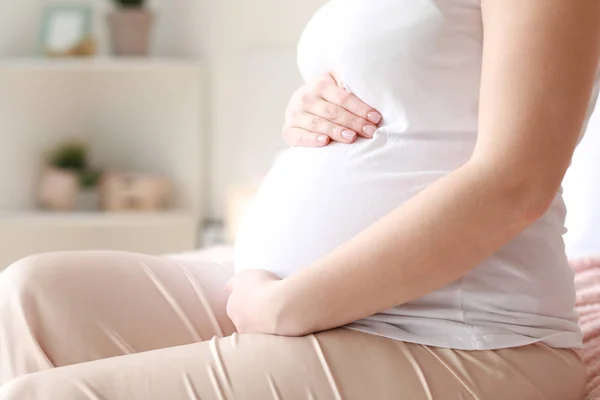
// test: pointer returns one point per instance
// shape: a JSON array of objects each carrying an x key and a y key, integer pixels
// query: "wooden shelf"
[{"x": 96, "y": 64}]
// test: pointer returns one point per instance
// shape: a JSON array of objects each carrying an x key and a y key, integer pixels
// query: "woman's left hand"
[{"x": 252, "y": 305}]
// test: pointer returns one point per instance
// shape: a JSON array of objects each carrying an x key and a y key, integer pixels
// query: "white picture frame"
[{"x": 64, "y": 27}]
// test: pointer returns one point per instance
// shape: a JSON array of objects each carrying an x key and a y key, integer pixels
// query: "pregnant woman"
[{"x": 409, "y": 251}]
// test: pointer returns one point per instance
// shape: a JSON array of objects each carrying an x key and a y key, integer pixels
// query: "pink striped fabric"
[{"x": 587, "y": 282}]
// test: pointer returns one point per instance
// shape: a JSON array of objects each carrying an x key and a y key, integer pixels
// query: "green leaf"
[
  {"x": 89, "y": 178},
  {"x": 131, "y": 3},
  {"x": 70, "y": 155}
]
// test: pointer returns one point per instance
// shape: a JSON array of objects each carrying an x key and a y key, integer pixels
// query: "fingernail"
[
  {"x": 348, "y": 134},
  {"x": 322, "y": 139},
  {"x": 369, "y": 130},
  {"x": 374, "y": 117}
]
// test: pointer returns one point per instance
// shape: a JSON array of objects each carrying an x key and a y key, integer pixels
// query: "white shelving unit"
[
  {"x": 141, "y": 115},
  {"x": 138, "y": 115}
]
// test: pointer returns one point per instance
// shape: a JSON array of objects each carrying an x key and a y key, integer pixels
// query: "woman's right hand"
[{"x": 322, "y": 111}]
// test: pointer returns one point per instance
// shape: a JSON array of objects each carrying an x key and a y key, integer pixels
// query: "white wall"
[
  {"x": 582, "y": 195},
  {"x": 252, "y": 49}
]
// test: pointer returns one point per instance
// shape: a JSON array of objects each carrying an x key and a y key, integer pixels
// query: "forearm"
[{"x": 427, "y": 243}]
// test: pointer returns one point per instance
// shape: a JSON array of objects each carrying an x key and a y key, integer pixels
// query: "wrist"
[{"x": 284, "y": 317}]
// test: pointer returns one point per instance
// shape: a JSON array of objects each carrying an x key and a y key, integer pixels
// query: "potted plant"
[
  {"x": 130, "y": 27},
  {"x": 67, "y": 181}
]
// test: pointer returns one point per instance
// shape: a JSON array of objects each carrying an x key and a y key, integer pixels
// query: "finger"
[
  {"x": 302, "y": 137},
  {"x": 316, "y": 124},
  {"x": 343, "y": 117},
  {"x": 350, "y": 102},
  {"x": 339, "y": 83},
  {"x": 328, "y": 79}
]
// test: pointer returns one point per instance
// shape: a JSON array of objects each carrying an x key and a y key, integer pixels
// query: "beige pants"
[{"x": 117, "y": 326}]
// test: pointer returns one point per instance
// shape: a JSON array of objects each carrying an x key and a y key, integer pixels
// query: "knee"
[
  {"x": 35, "y": 386},
  {"x": 20, "y": 271},
  {"x": 21, "y": 388},
  {"x": 50, "y": 384},
  {"x": 26, "y": 277}
]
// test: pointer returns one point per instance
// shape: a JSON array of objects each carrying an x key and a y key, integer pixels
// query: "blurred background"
[
  {"x": 138, "y": 125},
  {"x": 147, "y": 125}
]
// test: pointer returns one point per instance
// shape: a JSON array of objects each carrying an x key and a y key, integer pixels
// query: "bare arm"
[{"x": 540, "y": 59}]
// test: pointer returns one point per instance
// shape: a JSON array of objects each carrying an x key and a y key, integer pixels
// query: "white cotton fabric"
[{"x": 419, "y": 63}]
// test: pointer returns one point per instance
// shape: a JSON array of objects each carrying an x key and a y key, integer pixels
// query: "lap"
[
  {"x": 333, "y": 365},
  {"x": 122, "y": 326}
]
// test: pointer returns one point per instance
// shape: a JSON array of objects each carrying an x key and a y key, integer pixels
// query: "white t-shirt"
[{"x": 419, "y": 63}]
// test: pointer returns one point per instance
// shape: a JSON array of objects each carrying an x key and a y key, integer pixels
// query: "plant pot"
[
  {"x": 57, "y": 190},
  {"x": 130, "y": 31},
  {"x": 88, "y": 200}
]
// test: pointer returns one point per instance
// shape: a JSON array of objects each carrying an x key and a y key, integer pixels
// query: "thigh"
[
  {"x": 65, "y": 308},
  {"x": 334, "y": 365}
]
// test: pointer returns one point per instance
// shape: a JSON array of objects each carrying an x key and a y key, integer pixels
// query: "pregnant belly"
[{"x": 315, "y": 199}]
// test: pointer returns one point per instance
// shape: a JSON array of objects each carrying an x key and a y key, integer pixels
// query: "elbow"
[
  {"x": 527, "y": 196},
  {"x": 534, "y": 205},
  {"x": 530, "y": 197}
]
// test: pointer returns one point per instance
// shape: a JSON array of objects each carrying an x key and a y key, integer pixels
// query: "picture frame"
[{"x": 66, "y": 31}]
